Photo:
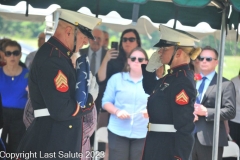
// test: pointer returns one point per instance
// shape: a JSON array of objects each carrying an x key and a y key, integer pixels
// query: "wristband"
[{"x": 116, "y": 111}]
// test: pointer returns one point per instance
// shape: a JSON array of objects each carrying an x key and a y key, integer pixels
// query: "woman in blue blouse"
[
  {"x": 125, "y": 99},
  {"x": 13, "y": 83}
]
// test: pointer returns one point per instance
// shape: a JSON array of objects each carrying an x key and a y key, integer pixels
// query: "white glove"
[
  {"x": 154, "y": 62},
  {"x": 74, "y": 58},
  {"x": 93, "y": 87}
]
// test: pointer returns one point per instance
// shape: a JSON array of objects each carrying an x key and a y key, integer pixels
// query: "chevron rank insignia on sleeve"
[
  {"x": 182, "y": 98},
  {"x": 61, "y": 82}
]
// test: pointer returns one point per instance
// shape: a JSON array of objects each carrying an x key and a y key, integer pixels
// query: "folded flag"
[{"x": 82, "y": 73}]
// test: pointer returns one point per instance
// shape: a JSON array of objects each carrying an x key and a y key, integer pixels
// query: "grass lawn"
[{"x": 231, "y": 66}]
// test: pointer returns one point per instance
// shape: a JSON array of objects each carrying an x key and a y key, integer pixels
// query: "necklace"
[{"x": 11, "y": 74}]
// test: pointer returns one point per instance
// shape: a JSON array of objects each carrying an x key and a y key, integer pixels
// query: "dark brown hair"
[
  {"x": 122, "y": 53},
  {"x": 211, "y": 49},
  {"x": 13, "y": 44},
  {"x": 126, "y": 67},
  {"x": 2, "y": 42}
]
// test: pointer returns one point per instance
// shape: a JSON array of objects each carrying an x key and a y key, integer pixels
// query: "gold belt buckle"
[{"x": 148, "y": 126}]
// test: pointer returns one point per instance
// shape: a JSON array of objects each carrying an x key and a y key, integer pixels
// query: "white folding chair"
[
  {"x": 1, "y": 134},
  {"x": 232, "y": 150},
  {"x": 101, "y": 135}
]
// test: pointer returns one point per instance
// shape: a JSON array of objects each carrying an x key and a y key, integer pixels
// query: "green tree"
[{"x": 25, "y": 29}]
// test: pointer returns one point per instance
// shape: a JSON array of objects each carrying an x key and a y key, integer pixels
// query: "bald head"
[
  {"x": 62, "y": 28},
  {"x": 41, "y": 39},
  {"x": 99, "y": 40},
  {"x": 65, "y": 33}
]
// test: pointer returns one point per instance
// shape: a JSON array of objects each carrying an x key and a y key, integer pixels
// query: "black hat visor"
[{"x": 164, "y": 43}]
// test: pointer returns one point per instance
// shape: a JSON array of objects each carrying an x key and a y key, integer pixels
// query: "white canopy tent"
[
  {"x": 219, "y": 81},
  {"x": 112, "y": 20},
  {"x": 18, "y": 12}
]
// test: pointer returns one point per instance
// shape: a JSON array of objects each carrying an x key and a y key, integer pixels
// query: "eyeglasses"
[
  {"x": 15, "y": 53},
  {"x": 131, "y": 39},
  {"x": 133, "y": 59},
  {"x": 209, "y": 59},
  {"x": 97, "y": 38}
]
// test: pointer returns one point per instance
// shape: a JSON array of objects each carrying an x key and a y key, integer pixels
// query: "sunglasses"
[
  {"x": 133, "y": 59},
  {"x": 162, "y": 49},
  {"x": 15, "y": 53},
  {"x": 131, "y": 39},
  {"x": 209, "y": 59}
]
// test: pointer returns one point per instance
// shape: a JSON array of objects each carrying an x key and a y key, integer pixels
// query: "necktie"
[
  {"x": 93, "y": 63},
  {"x": 200, "y": 90},
  {"x": 198, "y": 100},
  {"x": 82, "y": 73}
]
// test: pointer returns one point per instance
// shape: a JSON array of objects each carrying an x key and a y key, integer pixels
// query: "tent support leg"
[{"x": 219, "y": 87}]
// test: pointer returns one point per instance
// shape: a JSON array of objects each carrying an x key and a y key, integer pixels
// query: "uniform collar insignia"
[
  {"x": 59, "y": 46},
  {"x": 165, "y": 85},
  {"x": 68, "y": 53}
]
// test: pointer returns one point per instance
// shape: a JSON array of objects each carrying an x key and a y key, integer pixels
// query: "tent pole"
[
  {"x": 175, "y": 17},
  {"x": 97, "y": 8},
  {"x": 135, "y": 12},
  {"x": 219, "y": 87},
  {"x": 27, "y": 5}
]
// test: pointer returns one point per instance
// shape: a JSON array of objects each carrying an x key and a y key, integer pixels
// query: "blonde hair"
[{"x": 191, "y": 51}]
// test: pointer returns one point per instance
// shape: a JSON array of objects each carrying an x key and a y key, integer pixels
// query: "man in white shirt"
[{"x": 30, "y": 56}]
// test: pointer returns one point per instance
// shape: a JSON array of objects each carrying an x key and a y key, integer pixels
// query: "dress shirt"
[
  {"x": 98, "y": 58},
  {"x": 29, "y": 59},
  {"x": 207, "y": 82}
]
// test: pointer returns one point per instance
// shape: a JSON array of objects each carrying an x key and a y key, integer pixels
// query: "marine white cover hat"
[
  {"x": 174, "y": 37},
  {"x": 85, "y": 23}
]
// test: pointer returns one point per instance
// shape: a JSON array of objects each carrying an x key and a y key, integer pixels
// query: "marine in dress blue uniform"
[
  {"x": 171, "y": 103},
  {"x": 56, "y": 131}
]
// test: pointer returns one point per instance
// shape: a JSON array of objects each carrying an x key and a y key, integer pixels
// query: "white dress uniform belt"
[
  {"x": 161, "y": 127},
  {"x": 41, "y": 112}
]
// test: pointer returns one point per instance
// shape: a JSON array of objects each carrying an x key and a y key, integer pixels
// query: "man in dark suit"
[
  {"x": 95, "y": 51},
  {"x": 205, "y": 107}
]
